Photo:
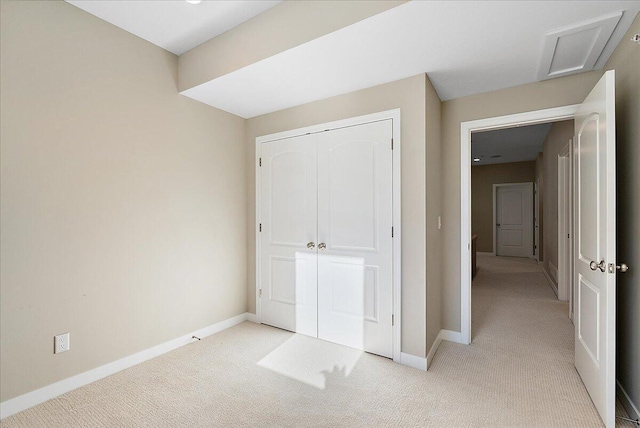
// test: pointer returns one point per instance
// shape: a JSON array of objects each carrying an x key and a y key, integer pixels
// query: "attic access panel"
[{"x": 576, "y": 49}]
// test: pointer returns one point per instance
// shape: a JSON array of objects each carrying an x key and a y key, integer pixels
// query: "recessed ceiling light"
[
  {"x": 193, "y": 1},
  {"x": 476, "y": 159}
]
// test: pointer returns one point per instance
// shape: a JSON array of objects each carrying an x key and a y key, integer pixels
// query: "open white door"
[{"x": 595, "y": 244}]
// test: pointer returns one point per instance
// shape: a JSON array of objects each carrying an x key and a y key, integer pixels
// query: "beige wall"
[
  {"x": 483, "y": 177},
  {"x": 123, "y": 203},
  {"x": 289, "y": 24},
  {"x": 558, "y": 138},
  {"x": 626, "y": 62},
  {"x": 433, "y": 211},
  {"x": 542, "y": 195},
  {"x": 535, "y": 96},
  {"x": 408, "y": 95}
]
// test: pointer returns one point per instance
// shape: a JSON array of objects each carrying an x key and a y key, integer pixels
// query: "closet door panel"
[
  {"x": 288, "y": 267},
  {"x": 355, "y": 288}
]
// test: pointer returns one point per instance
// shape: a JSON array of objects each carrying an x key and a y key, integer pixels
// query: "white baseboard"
[
  {"x": 553, "y": 285},
  {"x": 419, "y": 363},
  {"x": 434, "y": 348},
  {"x": 452, "y": 336},
  {"x": 30, "y": 399},
  {"x": 553, "y": 271},
  {"x": 632, "y": 409},
  {"x": 252, "y": 317}
]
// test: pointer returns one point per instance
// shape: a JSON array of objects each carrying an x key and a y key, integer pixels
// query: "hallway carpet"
[{"x": 518, "y": 372}]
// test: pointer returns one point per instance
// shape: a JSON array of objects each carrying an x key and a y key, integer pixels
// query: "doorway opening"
[
  {"x": 486, "y": 127},
  {"x": 514, "y": 197},
  {"x": 520, "y": 211}
]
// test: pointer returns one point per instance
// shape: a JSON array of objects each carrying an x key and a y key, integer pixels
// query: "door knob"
[
  {"x": 311, "y": 245},
  {"x": 322, "y": 246},
  {"x": 595, "y": 266},
  {"x": 623, "y": 267},
  {"x": 498, "y": 224}
]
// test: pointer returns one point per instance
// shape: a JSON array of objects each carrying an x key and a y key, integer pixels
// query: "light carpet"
[{"x": 518, "y": 372}]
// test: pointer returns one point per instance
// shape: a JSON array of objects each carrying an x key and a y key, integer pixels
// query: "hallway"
[
  {"x": 522, "y": 349},
  {"x": 517, "y": 317}
]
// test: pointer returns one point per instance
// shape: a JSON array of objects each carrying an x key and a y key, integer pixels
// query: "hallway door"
[
  {"x": 514, "y": 222},
  {"x": 595, "y": 244}
]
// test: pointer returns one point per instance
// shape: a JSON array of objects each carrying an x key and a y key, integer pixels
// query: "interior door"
[
  {"x": 595, "y": 245},
  {"x": 514, "y": 222},
  {"x": 288, "y": 267},
  {"x": 355, "y": 256}
]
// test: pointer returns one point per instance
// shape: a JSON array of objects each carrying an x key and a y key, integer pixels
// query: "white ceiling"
[
  {"x": 518, "y": 144},
  {"x": 175, "y": 25},
  {"x": 466, "y": 47}
]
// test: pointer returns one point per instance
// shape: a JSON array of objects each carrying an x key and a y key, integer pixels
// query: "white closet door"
[
  {"x": 288, "y": 269},
  {"x": 355, "y": 292}
]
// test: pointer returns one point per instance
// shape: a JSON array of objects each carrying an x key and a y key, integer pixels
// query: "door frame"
[
  {"x": 536, "y": 219},
  {"x": 565, "y": 223},
  {"x": 394, "y": 116},
  {"x": 508, "y": 121},
  {"x": 495, "y": 215}
]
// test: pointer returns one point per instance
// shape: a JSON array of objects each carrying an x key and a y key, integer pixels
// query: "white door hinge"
[
  {"x": 260, "y": 162},
  {"x": 392, "y": 144},
  {"x": 260, "y": 227},
  {"x": 393, "y": 320},
  {"x": 260, "y": 292},
  {"x": 392, "y": 231}
]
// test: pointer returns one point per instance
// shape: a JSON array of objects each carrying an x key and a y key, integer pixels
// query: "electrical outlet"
[{"x": 61, "y": 343}]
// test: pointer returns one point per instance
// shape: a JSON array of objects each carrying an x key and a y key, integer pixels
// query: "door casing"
[
  {"x": 536, "y": 219},
  {"x": 499, "y": 122},
  {"x": 394, "y": 115},
  {"x": 565, "y": 217}
]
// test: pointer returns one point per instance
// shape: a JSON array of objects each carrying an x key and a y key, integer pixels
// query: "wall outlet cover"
[{"x": 61, "y": 343}]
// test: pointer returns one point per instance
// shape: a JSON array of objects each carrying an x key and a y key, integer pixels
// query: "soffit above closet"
[{"x": 465, "y": 47}]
